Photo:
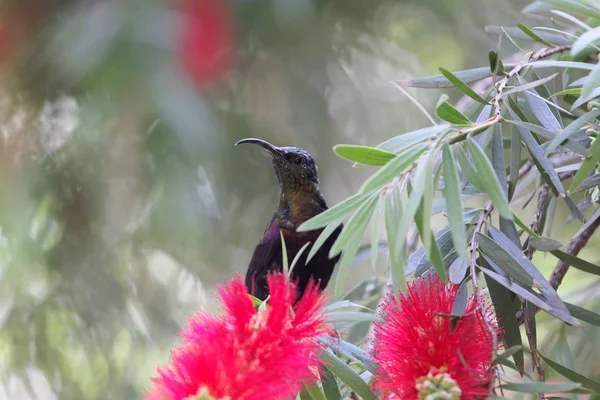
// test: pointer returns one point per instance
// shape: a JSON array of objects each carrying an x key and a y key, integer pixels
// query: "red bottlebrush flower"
[
  {"x": 205, "y": 42},
  {"x": 420, "y": 352},
  {"x": 247, "y": 354}
]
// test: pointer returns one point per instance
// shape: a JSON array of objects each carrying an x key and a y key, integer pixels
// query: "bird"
[{"x": 300, "y": 199}]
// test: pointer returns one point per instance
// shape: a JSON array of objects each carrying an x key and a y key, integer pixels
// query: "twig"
[
  {"x": 496, "y": 102},
  {"x": 577, "y": 243},
  {"x": 540, "y": 210},
  {"x": 560, "y": 270}
]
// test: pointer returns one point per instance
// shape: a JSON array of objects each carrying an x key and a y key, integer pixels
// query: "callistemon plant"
[
  {"x": 423, "y": 353},
  {"x": 247, "y": 354}
]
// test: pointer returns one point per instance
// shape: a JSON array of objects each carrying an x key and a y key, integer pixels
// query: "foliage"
[{"x": 545, "y": 104}]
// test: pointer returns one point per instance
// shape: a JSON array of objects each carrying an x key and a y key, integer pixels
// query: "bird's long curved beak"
[{"x": 274, "y": 150}]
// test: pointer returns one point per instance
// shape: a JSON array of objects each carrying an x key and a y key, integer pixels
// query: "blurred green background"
[{"x": 122, "y": 199}]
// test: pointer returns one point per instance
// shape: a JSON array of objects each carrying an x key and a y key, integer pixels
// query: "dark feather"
[{"x": 268, "y": 257}]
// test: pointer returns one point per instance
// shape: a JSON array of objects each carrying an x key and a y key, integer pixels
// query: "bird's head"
[{"x": 295, "y": 168}]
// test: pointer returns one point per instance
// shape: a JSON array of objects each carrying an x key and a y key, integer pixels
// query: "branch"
[
  {"x": 560, "y": 270},
  {"x": 577, "y": 243},
  {"x": 496, "y": 102}
]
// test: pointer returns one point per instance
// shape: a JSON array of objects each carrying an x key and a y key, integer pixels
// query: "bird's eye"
[{"x": 297, "y": 160}]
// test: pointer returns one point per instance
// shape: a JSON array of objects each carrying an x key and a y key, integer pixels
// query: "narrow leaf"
[
  {"x": 440, "y": 81},
  {"x": 515, "y": 161},
  {"x": 335, "y": 214},
  {"x": 532, "y": 35},
  {"x": 544, "y": 165},
  {"x": 398, "y": 165},
  {"x": 503, "y": 259},
  {"x": 463, "y": 87},
  {"x": 325, "y": 234},
  {"x": 587, "y": 383},
  {"x": 489, "y": 180},
  {"x": 540, "y": 387},
  {"x": 528, "y": 86},
  {"x": 577, "y": 262},
  {"x": 584, "y": 315},
  {"x": 347, "y": 375},
  {"x": 393, "y": 214},
  {"x": 449, "y": 113},
  {"x": 452, "y": 194},
  {"x": 402, "y": 142},
  {"x": 588, "y": 165},
  {"x": 573, "y": 128},
  {"x": 315, "y": 392},
  {"x": 508, "y": 322},
  {"x": 560, "y": 64},
  {"x": 363, "y": 154},
  {"x": 585, "y": 40}
]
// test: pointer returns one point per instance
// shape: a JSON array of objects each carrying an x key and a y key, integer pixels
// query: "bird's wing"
[{"x": 267, "y": 257}]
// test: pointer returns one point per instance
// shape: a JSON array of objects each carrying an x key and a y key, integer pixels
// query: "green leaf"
[
  {"x": 495, "y": 62},
  {"x": 449, "y": 113},
  {"x": 542, "y": 112},
  {"x": 463, "y": 87},
  {"x": 540, "y": 387},
  {"x": 586, "y": 39},
  {"x": 335, "y": 214},
  {"x": 375, "y": 232},
  {"x": 352, "y": 352},
  {"x": 347, "y": 375},
  {"x": 516, "y": 288},
  {"x": 363, "y": 154},
  {"x": 515, "y": 161},
  {"x": 350, "y": 239},
  {"x": 592, "y": 82},
  {"x": 559, "y": 64},
  {"x": 454, "y": 203},
  {"x": 469, "y": 171},
  {"x": 585, "y": 99},
  {"x": 516, "y": 33},
  {"x": 528, "y": 86},
  {"x": 545, "y": 244},
  {"x": 505, "y": 250},
  {"x": 315, "y": 392},
  {"x": 532, "y": 35},
  {"x": 425, "y": 209},
  {"x": 544, "y": 165},
  {"x": 433, "y": 252},
  {"x": 546, "y": 134},
  {"x": 503, "y": 259},
  {"x": 284, "y": 255},
  {"x": 577, "y": 262},
  {"x": 414, "y": 200},
  {"x": 574, "y": 6},
  {"x": 587, "y": 166},
  {"x": 584, "y": 315},
  {"x": 567, "y": 92},
  {"x": 325, "y": 234},
  {"x": 507, "y": 319},
  {"x": 296, "y": 257},
  {"x": 489, "y": 180},
  {"x": 330, "y": 386},
  {"x": 507, "y": 353},
  {"x": 402, "y": 142},
  {"x": 393, "y": 214},
  {"x": 350, "y": 316},
  {"x": 440, "y": 81},
  {"x": 573, "y": 128},
  {"x": 398, "y": 165},
  {"x": 587, "y": 383}
]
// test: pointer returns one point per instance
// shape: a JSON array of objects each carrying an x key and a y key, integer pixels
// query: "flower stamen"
[{"x": 437, "y": 385}]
